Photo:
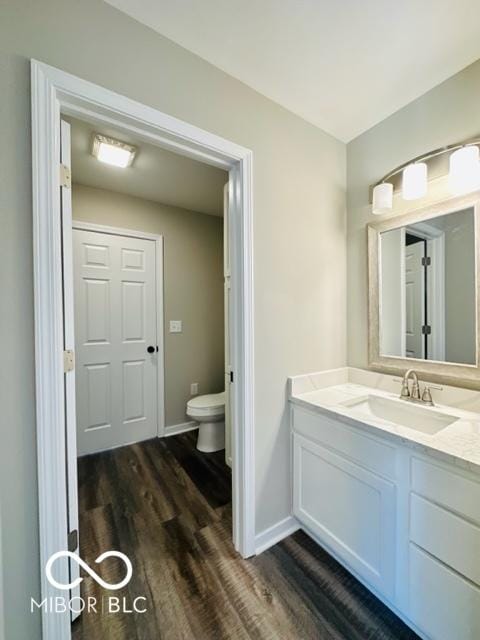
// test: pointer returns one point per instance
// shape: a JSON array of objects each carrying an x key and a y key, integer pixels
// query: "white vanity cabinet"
[
  {"x": 349, "y": 508},
  {"x": 406, "y": 524}
]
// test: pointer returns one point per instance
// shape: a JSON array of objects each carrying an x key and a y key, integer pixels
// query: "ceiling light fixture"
[
  {"x": 113, "y": 152},
  {"x": 463, "y": 175}
]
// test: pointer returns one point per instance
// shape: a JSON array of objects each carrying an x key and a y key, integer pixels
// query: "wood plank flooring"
[{"x": 167, "y": 506}]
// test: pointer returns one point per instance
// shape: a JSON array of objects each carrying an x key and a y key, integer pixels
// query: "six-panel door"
[{"x": 115, "y": 323}]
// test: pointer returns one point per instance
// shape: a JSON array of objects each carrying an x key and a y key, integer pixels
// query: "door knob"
[{"x": 151, "y": 349}]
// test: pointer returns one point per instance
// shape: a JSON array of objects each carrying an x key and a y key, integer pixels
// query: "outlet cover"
[{"x": 175, "y": 326}]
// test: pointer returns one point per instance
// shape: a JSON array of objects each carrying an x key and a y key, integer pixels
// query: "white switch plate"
[
  {"x": 194, "y": 389},
  {"x": 175, "y": 326}
]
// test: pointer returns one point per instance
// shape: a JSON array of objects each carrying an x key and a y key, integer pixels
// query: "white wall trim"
[
  {"x": 159, "y": 311},
  {"x": 118, "y": 231},
  {"x": 55, "y": 92},
  {"x": 183, "y": 427},
  {"x": 275, "y": 533}
]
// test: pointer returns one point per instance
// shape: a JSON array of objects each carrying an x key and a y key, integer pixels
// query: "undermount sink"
[{"x": 401, "y": 413}]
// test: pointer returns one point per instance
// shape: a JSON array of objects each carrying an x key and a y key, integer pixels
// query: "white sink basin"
[{"x": 401, "y": 412}]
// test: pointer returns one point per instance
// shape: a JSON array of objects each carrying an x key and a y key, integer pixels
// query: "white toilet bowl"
[{"x": 209, "y": 412}]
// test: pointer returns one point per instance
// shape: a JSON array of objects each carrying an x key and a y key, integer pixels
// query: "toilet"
[{"x": 209, "y": 412}]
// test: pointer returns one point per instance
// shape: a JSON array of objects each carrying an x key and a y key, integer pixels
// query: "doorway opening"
[
  {"x": 134, "y": 363},
  {"x": 424, "y": 282},
  {"x": 55, "y": 93}
]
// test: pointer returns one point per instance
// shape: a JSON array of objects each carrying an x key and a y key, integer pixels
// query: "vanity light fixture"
[
  {"x": 464, "y": 173},
  {"x": 463, "y": 176},
  {"x": 382, "y": 198},
  {"x": 113, "y": 152},
  {"x": 414, "y": 181}
]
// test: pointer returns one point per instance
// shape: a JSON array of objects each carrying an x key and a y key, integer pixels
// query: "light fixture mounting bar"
[{"x": 427, "y": 156}]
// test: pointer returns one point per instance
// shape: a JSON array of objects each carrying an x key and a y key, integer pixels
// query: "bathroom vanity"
[{"x": 392, "y": 490}]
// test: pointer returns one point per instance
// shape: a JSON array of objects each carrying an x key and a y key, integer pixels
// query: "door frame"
[
  {"x": 54, "y": 92},
  {"x": 159, "y": 319}
]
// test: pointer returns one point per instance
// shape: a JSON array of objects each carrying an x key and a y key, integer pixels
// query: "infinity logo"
[{"x": 91, "y": 572}]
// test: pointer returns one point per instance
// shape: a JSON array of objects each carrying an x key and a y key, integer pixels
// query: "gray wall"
[
  {"x": 446, "y": 114},
  {"x": 299, "y": 242},
  {"x": 193, "y": 286},
  {"x": 460, "y": 319}
]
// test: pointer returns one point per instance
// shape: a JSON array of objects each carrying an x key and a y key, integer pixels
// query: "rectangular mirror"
[{"x": 423, "y": 275}]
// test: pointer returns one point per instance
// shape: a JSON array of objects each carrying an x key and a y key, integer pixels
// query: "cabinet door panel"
[{"x": 349, "y": 509}]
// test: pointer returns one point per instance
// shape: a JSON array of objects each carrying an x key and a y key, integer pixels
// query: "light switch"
[
  {"x": 175, "y": 326},
  {"x": 194, "y": 389}
]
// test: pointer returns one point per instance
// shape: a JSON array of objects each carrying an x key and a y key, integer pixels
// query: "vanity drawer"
[
  {"x": 375, "y": 455},
  {"x": 447, "y": 488},
  {"x": 446, "y": 536},
  {"x": 441, "y": 603}
]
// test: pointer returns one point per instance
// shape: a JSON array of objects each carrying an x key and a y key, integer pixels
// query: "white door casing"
[
  {"x": 69, "y": 345},
  {"x": 227, "y": 293},
  {"x": 414, "y": 300},
  {"x": 54, "y": 91},
  {"x": 115, "y": 315}
]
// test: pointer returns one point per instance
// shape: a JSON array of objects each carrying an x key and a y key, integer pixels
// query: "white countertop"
[{"x": 458, "y": 443}]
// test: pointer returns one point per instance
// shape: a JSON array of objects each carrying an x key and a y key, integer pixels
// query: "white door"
[
  {"x": 116, "y": 340},
  {"x": 227, "y": 295},
  {"x": 414, "y": 300},
  {"x": 69, "y": 346}
]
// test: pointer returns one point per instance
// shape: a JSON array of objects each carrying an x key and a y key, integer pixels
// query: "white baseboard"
[
  {"x": 175, "y": 429},
  {"x": 275, "y": 533}
]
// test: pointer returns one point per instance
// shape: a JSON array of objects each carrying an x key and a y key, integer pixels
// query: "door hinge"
[
  {"x": 73, "y": 540},
  {"x": 68, "y": 360},
  {"x": 231, "y": 376},
  {"x": 65, "y": 176},
  {"x": 426, "y": 262},
  {"x": 426, "y": 329}
]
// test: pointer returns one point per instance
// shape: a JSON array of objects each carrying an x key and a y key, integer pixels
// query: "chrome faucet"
[{"x": 414, "y": 394}]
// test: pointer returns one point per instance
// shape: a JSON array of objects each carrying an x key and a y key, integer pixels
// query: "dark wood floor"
[{"x": 167, "y": 506}]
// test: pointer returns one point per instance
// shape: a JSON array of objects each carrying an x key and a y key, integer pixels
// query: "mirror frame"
[{"x": 442, "y": 372}]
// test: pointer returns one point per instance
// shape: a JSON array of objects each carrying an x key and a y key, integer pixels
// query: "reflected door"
[
  {"x": 415, "y": 299},
  {"x": 115, "y": 326}
]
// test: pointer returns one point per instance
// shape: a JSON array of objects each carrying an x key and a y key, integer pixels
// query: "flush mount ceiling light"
[
  {"x": 414, "y": 181},
  {"x": 113, "y": 152},
  {"x": 463, "y": 176}
]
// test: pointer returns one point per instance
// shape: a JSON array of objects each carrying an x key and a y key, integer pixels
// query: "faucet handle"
[{"x": 427, "y": 396}]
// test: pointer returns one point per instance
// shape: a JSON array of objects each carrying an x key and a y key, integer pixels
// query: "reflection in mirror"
[{"x": 427, "y": 289}]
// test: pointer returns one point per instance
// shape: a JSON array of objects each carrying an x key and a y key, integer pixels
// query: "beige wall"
[
  {"x": 193, "y": 286},
  {"x": 446, "y": 114},
  {"x": 299, "y": 242}
]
